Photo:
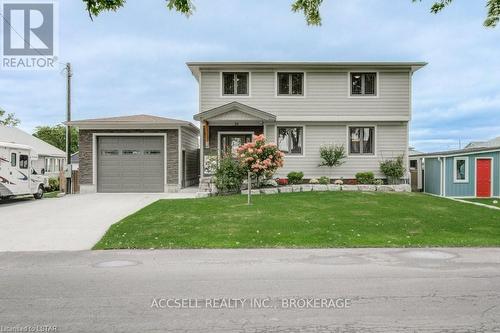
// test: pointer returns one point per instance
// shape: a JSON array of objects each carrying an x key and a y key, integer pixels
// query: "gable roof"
[
  {"x": 15, "y": 135},
  {"x": 490, "y": 143},
  {"x": 131, "y": 122},
  {"x": 235, "y": 106}
]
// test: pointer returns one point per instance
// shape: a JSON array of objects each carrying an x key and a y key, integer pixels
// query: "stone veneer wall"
[{"x": 86, "y": 154}]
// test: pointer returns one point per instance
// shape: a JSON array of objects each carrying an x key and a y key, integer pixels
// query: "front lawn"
[
  {"x": 489, "y": 201},
  {"x": 310, "y": 219}
]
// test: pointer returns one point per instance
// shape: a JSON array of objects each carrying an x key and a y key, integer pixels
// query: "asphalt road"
[{"x": 371, "y": 290}]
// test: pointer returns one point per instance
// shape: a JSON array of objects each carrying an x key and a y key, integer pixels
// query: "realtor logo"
[{"x": 29, "y": 32}]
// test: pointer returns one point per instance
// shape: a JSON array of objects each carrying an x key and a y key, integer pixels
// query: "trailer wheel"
[{"x": 39, "y": 192}]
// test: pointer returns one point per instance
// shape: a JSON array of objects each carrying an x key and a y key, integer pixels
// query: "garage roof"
[{"x": 138, "y": 121}]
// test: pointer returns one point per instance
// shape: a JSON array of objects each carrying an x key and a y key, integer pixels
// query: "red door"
[{"x": 483, "y": 178}]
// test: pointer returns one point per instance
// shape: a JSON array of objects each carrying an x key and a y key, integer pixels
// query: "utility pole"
[{"x": 68, "y": 127}]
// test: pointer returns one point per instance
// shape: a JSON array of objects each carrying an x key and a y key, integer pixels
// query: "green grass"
[
  {"x": 50, "y": 195},
  {"x": 307, "y": 220},
  {"x": 488, "y": 201}
]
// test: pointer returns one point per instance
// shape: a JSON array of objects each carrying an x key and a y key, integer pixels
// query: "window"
[
  {"x": 110, "y": 152},
  {"x": 363, "y": 84},
  {"x": 152, "y": 152},
  {"x": 23, "y": 161},
  {"x": 235, "y": 84},
  {"x": 131, "y": 152},
  {"x": 461, "y": 169},
  {"x": 291, "y": 84},
  {"x": 361, "y": 140},
  {"x": 13, "y": 159},
  {"x": 290, "y": 140},
  {"x": 413, "y": 164}
]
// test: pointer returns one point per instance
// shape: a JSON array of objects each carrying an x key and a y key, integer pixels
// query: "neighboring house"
[
  {"x": 490, "y": 143},
  {"x": 49, "y": 158},
  {"x": 365, "y": 106},
  {"x": 75, "y": 161},
  {"x": 139, "y": 153},
  {"x": 472, "y": 172}
]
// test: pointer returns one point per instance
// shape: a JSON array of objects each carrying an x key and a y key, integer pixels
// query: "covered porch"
[{"x": 225, "y": 128}]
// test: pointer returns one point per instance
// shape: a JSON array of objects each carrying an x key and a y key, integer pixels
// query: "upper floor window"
[
  {"x": 363, "y": 84},
  {"x": 291, "y": 84},
  {"x": 235, "y": 84},
  {"x": 361, "y": 140},
  {"x": 290, "y": 140},
  {"x": 461, "y": 169}
]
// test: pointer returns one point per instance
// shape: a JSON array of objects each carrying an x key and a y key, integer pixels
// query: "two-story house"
[{"x": 365, "y": 106}]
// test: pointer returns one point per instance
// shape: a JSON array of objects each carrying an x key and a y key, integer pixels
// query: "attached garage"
[
  {"x": 137, "y": 154},
  {"x": 130, "y": 164}
]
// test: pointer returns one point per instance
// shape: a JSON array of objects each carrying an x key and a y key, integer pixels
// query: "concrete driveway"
[{"x": 74, "y": 222}]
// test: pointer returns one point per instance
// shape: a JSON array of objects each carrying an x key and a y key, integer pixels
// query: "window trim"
[
  {"x": 303, "y": 139},
  {"x": 363, "y": 71},
  {"x": 221, "y": 78},
  {"x": 27, "y": 161},
  {"x": 348, "y": 141},
  {"x": 304, "y": 84},
  {"x": 455, "y": 174},
  {"x": 15, "y": 160}
]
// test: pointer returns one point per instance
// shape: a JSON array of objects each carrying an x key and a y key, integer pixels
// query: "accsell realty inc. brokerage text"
[{"x": 253, "y": 303}]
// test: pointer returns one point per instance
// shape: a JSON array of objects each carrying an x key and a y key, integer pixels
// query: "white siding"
[
  {"x": 391, "y": 139},
  {"x": 326, "y": 97}
]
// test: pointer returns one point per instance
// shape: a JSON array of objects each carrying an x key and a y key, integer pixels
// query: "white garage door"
[{"x": 130, "y": 164}]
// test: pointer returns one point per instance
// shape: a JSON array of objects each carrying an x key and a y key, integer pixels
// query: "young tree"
[
  {"x": 8, "y": 119},
  {"x": 310, "y": 8},
  {"x": 56, "y": 136},
  {"x": 332, "y": 155}
]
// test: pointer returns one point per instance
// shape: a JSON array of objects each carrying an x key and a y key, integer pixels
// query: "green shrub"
[
  {"x": 324, "y": 180},
  {"x": 295, "y": 177},
  {"x": 228, "y": 175},
  {"x": 332, "y": 155},
  {"x": 393, "y": 169},
  {"x": 378, "y": 182},
  {"x": 54, "y": 184},
  {"x": 365, "y": 177}
]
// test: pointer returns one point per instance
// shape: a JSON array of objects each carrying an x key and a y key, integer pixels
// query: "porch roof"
[{"x": 235, "y": 110}]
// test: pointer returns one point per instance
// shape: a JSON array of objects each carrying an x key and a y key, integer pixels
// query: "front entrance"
[
  {"x": 231, "y": 141},
  {"x": 483, "y": 178}
]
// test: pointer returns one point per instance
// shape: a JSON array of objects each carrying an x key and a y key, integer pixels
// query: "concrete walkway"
[
  {"x": 74, "y": 222},
  {"x": 390, "y": 290}
]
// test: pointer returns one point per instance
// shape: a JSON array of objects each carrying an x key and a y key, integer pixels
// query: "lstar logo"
[{"x": 29, "y": 34}]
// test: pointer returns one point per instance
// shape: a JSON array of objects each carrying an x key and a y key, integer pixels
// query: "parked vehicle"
[{"x": 17, "y": 177}]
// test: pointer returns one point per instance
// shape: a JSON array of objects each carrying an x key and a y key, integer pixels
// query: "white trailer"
[{"x": 17, "y": 176}]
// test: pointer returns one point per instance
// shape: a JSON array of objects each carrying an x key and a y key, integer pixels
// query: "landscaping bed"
[{"x": 307, "y": 220}]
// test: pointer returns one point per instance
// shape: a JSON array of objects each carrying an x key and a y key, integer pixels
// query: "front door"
[
  {"x": 483, "y": 178},
  {"x": 230, "y": 142}
]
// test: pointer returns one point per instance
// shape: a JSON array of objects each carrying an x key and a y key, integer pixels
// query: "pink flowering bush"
[{"x": 259, "y": 157}]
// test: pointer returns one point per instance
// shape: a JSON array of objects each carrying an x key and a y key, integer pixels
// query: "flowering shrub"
[{"x": 259, "y": 157}]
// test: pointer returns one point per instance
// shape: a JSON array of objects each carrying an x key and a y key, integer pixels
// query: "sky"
[{"x": 133, "y": 61}]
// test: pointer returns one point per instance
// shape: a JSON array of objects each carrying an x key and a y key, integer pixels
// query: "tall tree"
[
  {"x": 8, "y": 119},
  {"x": 310, "y": 8},
  {"x": 56, "y": 136}
]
